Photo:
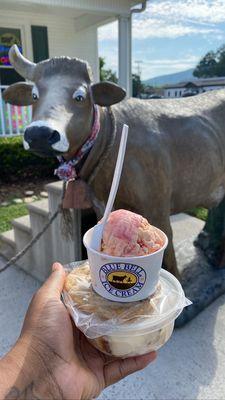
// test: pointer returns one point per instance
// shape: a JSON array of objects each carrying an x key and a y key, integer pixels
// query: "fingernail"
[{"x": 56, "y": 267}]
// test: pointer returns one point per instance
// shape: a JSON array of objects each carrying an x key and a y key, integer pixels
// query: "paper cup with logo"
[{"x": 124, "y": 279}]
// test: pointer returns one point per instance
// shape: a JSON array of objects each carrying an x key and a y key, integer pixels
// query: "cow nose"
[{"x": 39, "y": 137}]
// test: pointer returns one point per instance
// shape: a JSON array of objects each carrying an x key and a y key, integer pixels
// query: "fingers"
[
  {"x": 119, "y": 369},
  {"x": 54, "y": 284}
]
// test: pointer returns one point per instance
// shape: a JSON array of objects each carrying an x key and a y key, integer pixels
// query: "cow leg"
[
  {"x": 162, "y": 222},
  {"x": 169, "y": 259}
]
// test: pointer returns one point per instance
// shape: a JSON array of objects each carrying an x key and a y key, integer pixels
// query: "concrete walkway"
[
  {"x": 190, "y": 366},
  {"x": 16, "y": 291}
]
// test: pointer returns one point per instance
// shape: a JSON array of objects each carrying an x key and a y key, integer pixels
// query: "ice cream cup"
[{"x": 124, "y": 279}]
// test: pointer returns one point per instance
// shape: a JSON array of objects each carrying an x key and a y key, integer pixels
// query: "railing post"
[
  {"x": 2, "y": 132},
  {"x": 12, "y": 116}
]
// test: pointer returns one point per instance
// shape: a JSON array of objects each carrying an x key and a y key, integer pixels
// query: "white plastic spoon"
[{"x": 98, "y": 229}]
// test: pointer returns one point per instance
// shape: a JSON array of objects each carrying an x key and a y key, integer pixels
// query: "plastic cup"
[
  {"x": 124, "y": 279},
  {"x": 133, "y": 342},
  {"x": 136, "y": 328}
]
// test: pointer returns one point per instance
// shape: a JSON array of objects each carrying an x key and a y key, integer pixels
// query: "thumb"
[
  {"x": 119, "y": 369},
  {"x": 54, "y": 284}
]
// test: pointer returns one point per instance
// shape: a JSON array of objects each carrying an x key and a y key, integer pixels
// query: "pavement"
[
  {"x": 16, "y": 291},
  {"x": 190, "y": 366}
]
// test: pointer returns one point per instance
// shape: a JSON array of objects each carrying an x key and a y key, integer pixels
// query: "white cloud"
[
  {"x": 168, "y": 19},
  {"x": 201, "y": 11},
  {"x": 108, "y": 32},
  {"x": 173, "y": 18},
  {"x": 156, "y": 28},
  {"x": 168, "y": 61},
  {"x": 154, "y": 67}
]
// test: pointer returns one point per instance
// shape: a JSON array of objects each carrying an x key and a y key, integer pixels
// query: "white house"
[
  {"x": 195, "y": 86},
  {"x": 48, "y": 28}
]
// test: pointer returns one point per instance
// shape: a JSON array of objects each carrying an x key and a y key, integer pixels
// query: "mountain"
[{"x": 171, "y": 78}]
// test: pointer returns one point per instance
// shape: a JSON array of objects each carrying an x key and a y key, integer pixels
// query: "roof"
[
  {"x": 85, "y": 12},
  {"x": 106, "y": 7},
  {"x": 198, "y": 83}
]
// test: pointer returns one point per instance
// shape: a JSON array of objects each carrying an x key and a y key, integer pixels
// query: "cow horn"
[{"x": 23, "y": 66}]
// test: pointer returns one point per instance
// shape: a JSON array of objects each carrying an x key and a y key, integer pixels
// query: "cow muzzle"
[{"x": 44, "y": 140}]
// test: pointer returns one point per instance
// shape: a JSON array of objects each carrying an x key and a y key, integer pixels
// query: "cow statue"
[{"x": 175, "y": 157}]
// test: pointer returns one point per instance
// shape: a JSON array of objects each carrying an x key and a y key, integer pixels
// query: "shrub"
[
  {"x": 17, "y": 163},
  {"x": 199, "y": 212}
]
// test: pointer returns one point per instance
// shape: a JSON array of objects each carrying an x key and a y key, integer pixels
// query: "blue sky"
[{"x": 170, "y": 36}]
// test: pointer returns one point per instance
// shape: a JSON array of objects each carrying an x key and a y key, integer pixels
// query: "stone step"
[
  {"x": 185, "y": 226},
  {"x": 54, "y": 187},
  {"x": 54, "y": 191},
  {"x": 23, "y": 235},
  {"x": 7, "y": 244},
  {"x": 52, "y": 245},
  {"x": 23, "y": 224},
  {"x": 39, "y": 207},
  {"x": 63, "y": 249},
  {"x": 42, "y": 251}
]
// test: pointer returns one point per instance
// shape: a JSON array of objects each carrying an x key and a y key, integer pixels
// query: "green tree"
[
  {"x": 106, "y": 74},
  {"x": 207, "y": 66},
  {"x": 212, "y": 64},
  {"x": 138, "y": 86},
  {"x": 220, "y": 57},
  {"x": 109, "y": 75}
]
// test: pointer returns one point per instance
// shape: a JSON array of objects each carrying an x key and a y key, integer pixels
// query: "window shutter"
[{"x": 40, "y": 42}]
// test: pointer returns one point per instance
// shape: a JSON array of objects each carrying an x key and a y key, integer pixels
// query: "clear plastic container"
[{"x": 123, "y": 329}]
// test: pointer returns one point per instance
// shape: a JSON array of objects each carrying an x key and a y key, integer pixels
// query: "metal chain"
[{"x": 21, "y": 253}]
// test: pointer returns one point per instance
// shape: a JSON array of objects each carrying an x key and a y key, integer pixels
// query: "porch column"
[{"x": 125, "y": 66}]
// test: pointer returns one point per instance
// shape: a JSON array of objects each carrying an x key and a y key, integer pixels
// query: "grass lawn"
[
  {"x": 199, "y": 212},
  {"x": 10, "y": 212}
]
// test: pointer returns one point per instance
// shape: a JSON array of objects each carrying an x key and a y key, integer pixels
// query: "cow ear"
[
  {"x": 107, "y": 93},
  {"x": 19, "y": 94}
]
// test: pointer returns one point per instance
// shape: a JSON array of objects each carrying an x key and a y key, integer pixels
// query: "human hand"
[{"x": 60, "y": 363}]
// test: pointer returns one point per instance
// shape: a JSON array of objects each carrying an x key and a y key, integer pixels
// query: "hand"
[{"x": 65, "y": 364}]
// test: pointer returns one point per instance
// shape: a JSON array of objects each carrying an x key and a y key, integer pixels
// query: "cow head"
[{"x": 62, "y": 95}]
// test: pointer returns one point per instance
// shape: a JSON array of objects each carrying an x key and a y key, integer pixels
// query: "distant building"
[
  {"x": 151, "y": 92},
  {"x": 194, "y": 87}
]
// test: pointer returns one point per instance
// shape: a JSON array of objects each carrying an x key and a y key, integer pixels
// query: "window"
[
  {"x": 175, "y": 93},
  {"x": 8, "y": 37},
  {"x": 169, "y": 94}
]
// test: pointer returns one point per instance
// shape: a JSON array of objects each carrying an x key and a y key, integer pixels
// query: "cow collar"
[{"x": 66, "y": 171}]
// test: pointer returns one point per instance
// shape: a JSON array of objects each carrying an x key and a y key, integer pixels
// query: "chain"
[{"x": 21, "y": 253}]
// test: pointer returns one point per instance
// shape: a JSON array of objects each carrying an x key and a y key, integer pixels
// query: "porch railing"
[{"x": 13, "y": 119}]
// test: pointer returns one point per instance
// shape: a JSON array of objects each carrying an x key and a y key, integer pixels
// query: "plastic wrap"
[{"x": 123, "y": 329}]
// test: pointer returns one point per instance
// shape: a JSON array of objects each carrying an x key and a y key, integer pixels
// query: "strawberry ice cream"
[{"x": 127, "y": 234}]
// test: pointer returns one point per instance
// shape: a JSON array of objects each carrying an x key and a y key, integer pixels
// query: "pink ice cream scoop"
[{"x": 127, "y": 234}]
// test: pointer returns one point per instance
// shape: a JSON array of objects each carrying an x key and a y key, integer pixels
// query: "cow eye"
[
  {"x": 35, "y": 94},
  {"x": 79, "y": 94},
  {"x": 79, "y": 98}
]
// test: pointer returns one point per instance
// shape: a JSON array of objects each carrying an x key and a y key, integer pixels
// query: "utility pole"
[{"x": 138, "y": 66}]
